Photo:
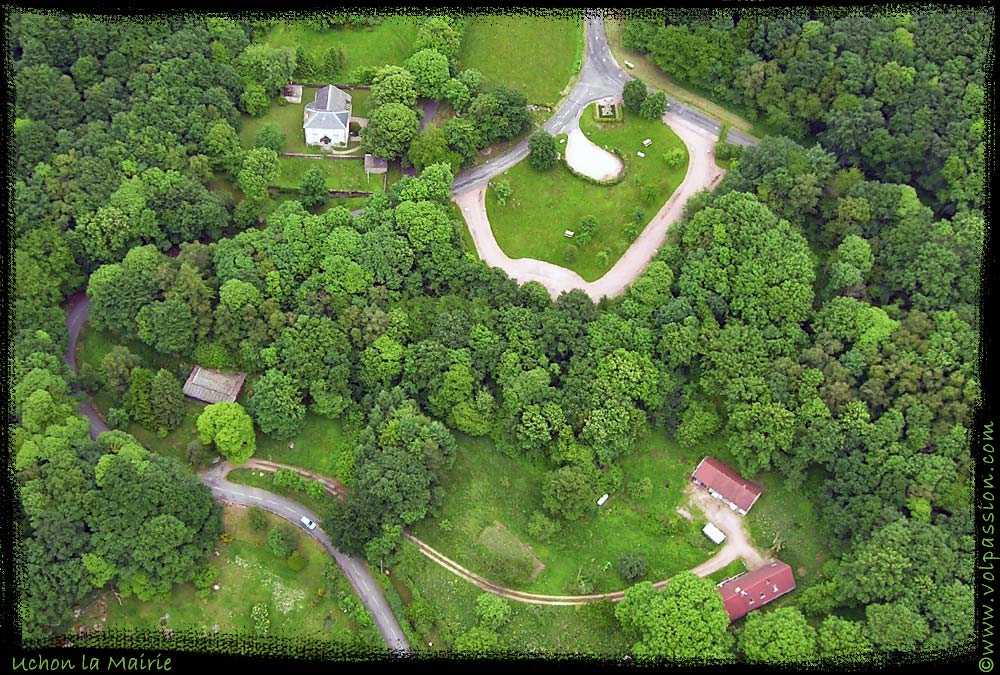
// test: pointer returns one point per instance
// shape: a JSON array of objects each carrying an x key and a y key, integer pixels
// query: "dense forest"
[
  {"x": 899, "y": 95},
  {"x": 818, "y": 311}
]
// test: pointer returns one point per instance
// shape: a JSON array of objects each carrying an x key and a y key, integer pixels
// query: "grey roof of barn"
[
  {"x": 375, "y": 164},
  {"x": 213, "y": 386},
  {"x": 328, "y": 120},
  {"x": 330, "y": 99}
]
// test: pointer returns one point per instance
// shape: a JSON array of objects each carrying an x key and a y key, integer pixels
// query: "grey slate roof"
[
  {"x": 376, "y": 164},
  {"x": 330, "y": 99},
  {"x": 327, "y": 120},
  {"x": 213, "y": 386}
]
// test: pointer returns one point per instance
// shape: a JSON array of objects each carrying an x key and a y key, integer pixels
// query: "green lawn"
[
  {"x": 545, "y": 204},
  {"x": 534, "y": 54},
  {"x": 441, "y": 607},
  {"x": 249, "y": 574},
  {"x": 391, "y": 42},
  {"x": 485, "y": 486},
  {"x": 318, "y": 447},
  {"x": 340, "y": 174},
  {"x": 790, "y": 515}
]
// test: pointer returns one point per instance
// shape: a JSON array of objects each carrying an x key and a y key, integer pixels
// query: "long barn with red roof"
[
  {"x": 724, "y": 483},
  {"x": 751, "y": 590}
]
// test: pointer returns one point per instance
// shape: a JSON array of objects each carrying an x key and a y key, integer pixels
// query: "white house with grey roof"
[{"x": 326, "y": 120}]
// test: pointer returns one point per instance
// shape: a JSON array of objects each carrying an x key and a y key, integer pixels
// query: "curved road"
[
  {"x": 77, "y": 311},
  {"x": 354, "y": 569},
  {"x": 600, "y": 76}
]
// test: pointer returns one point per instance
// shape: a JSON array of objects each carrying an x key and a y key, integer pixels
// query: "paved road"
[
  {"x": 702, "y": 173},
  {"x": 600, "y": 76},
  {"x": 355, "y": 570},
  {"x": 77, "y": 312},
  {"x": 596, "y": 80}
]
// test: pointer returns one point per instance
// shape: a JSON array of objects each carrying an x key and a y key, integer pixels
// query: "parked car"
[{"x": 309, "y": 525}]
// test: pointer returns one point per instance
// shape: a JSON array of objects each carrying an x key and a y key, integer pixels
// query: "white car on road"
[{"x": 308, "y": 524}]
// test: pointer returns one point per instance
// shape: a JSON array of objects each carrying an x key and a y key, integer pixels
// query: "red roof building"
[
  {"x": 748, "y": 591},
  {"x": 722, "y": 482}
]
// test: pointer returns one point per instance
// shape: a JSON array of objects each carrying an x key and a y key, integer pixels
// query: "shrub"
[
  {"x": 543, "y": 153},
  {"x": 503, "y": 191},
  {"x": 315, "y": 489},
  {"x": 213, "y": 355},
  {"x": 640, "y": 489},
  {"x": 632, "y": 567},
  {"x": 492, "y": 611},
  {"x": 569, "y": 254},
  {"x": 119, "y": 418},
  {"x": 675, "y": 158},
  {"x": 296, "y": 562},
  {"x": 602, "y": 258},
  {"x": 585, "y": 232},
  {"x": 256, "y": 519},
  {"x": 632, "y": 230},
  {"x": 542, "y": 527},
  {"x": 281, "y": 541}
]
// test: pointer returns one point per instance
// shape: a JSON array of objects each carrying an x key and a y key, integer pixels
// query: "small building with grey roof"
[
  {"x": 212, "y": 386},
  {"x": 327, "y": 118}
]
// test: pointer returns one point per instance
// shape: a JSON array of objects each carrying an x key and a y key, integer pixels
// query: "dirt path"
[{"x": 702, "y": 173}]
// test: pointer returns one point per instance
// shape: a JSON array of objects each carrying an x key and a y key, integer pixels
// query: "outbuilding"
[
  {"x": 752, "y": 590},
  {"x": 715, "y": 534},
  {"x": 724, "y": 483}
]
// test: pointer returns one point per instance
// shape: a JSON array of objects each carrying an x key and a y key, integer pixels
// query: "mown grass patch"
[
  {"x": 534, "y": 54},
  {"x": 485, "y": 486},
  {"x": 787, "y": 521},
  {"x": 322, "y": 447},
  {"x": 546, "y": 204},
  {"x": 441, "y": 607},
  {"x": 389, "y": 43},
  {"x": 340, "y": 174}
]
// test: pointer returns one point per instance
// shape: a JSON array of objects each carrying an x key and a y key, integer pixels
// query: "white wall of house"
[{"x": 313, "y": 136}]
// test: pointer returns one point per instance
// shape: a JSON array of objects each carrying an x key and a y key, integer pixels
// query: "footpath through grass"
[
  {"x": 389, "y": 43},
  {"x": 299, "y": 603},
  {"x": 485, "y": 486},
  {"x": 441, "y": 607},
  {"x": 322, "y": 447},
  {"x": 534, "y": 54},
  {"x": 546, "y": 203}
]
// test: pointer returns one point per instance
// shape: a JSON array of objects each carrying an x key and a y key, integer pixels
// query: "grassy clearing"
[
  {"x": 441, "y": 607},
  {"x": 535, "y": 54},
  {"x": 340, "y": 174},
  {"x": 92, "y": 347},
  {"x": 249, "y": 574},
  {"x": 649, "y": 73},
  {"x": 789, "y": 515},
  {"x": 319, "y": 447},
  {"x": 484, "y": 487},
  {"x": 288, "y": 117},
  {"x": 545, "y": 204},
  {"x": 391, "y": 42}
]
